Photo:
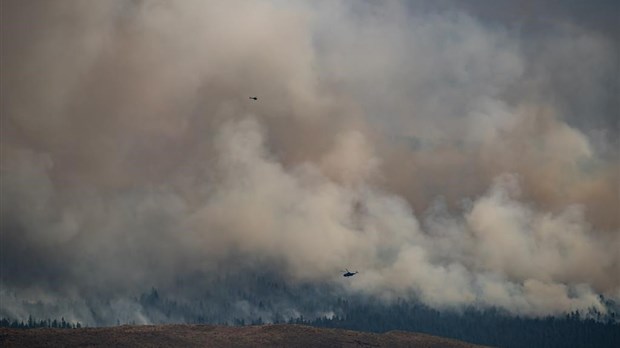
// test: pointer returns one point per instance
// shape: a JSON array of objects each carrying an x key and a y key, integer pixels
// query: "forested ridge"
[{"x": 487, "y": 327}]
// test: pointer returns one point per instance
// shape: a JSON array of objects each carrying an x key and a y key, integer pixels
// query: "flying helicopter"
[
  {"x": 348, "y": 273},
  {"x": 254, "y": 98}
]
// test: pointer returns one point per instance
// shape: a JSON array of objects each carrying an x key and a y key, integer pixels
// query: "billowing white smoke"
[
  {"x": 424, "y": 149},
  {"x": 499, "y": 252}
]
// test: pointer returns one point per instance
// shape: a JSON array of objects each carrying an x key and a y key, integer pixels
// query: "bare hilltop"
[{"x": 280, "y": 335}]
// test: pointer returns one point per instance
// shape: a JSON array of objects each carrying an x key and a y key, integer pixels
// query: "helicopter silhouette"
[
  {"x": 348, "y": 273},
  {"x": 254, "y": 98}
]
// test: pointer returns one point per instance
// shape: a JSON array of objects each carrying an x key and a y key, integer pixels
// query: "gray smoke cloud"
[{"x": 447, "y": 152}]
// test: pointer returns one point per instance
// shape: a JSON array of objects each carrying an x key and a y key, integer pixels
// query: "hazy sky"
[{"x": 464, "y": 153}]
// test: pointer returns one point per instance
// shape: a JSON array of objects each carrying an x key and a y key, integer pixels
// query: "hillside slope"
[{"x": 280, "y": 335}]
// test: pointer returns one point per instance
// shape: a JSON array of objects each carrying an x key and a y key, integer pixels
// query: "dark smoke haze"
[{"x": 465, "y": 154}]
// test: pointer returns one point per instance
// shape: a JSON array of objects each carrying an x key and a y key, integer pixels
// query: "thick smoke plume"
[{"x": 445, "y": 151}]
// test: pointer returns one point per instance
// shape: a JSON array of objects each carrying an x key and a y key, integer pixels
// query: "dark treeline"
[
  {"x": 487, "y": 327},
  {"x": 32, "y": 323}
]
